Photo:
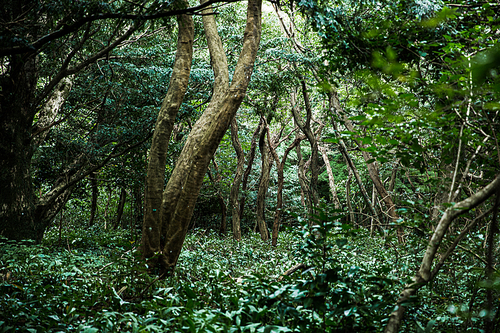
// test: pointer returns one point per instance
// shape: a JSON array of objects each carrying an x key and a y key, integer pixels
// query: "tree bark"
[
  {"x": 234, "y": 204},
  {"x": 333, "y": 106},
  {"x": 121, "y": 205},
  {"x": 425, "y": 275},
  {"x": 95, "y": 195},
  {"x": 48, "y": 114},
  {"x": 311, "y": 189},
  {"x": 248, "y": 170},
  {"x": 281, "y": 180},
  {"x": 16, "y": 119},
  {"x": 331, "y": 179},
  {"x": 263, "y": 184},
  {"x": 151, "y": 227},
  {"x": 185, "y": 182}
]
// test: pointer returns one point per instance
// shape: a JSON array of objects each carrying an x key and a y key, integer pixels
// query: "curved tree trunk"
[
  {"x": 234, "y": 204},
  {"x": 425, "y": 274},
  {"x": 163, "y": 129},
  {"x": 184, "y": 185},
  {"x": 310, "y": 190}
]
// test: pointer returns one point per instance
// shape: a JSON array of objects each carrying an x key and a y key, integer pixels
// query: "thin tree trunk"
[
  {"x": 425, "y": 275},
  {"x": 490, "y": 266},
  {"x": 234, "y": 204},
  {"x": 95, "y": 195},
  {"x": 310, "y": 190},
  {"x": 348, "y": 196},
  {"x": 373, "y": 170},
  {"x": 281, "y": 180},
  {"x": 331, "y": 179},
  {"x": 248, "y": 170},
  {"x": 263, "y": 185},
  {"x": 343, "y": 150},
  {"x": 222, "y": 203},
  {"x": 121, "y": 205}
]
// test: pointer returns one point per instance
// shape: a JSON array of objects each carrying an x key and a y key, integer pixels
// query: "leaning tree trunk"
[
  {"x": 373, "y": 171},
  {"x": 331, "y": 179},
  {"x": 425, "y": 273},
  {"x": 184, "y": 185},
  {"x": 151, "y": 226}
]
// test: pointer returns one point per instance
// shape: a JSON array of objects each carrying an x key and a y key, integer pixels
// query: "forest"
[{"x": 249, "y": 166}]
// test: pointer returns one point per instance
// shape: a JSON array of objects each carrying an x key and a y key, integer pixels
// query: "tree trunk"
[
  {"x": 121, "y": 205},
  {"x": 248, "y": 170},
  {"x": 331, "y": 180},
  {"x": 95, "y": 195},
  {"x": 184, "y": 185},
  {"x": 281, "y": 180},
  {"x": 222, "y": 203},
  {"x": 263, "y": 185},
  {"x": 425, "y": 275},
  {"x": 373, "y": 171},
  {"x": 348, "y": 197},
  {"x": 310, "y": 190},
  {"x": 151, "y": 227},
  {"x": 234, "y": 204},
  {"x": 17, "y": 113},
  {"x": 332, "y": 104},
  {"x": 48, "y": 114}
]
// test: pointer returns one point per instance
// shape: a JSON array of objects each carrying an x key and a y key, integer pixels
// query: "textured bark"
[
  {"x": 263, "y": 185},
  {"x": 234, "y": 204},
  {"x": 155, "y": 178},
  {"x": 331, "y": 179},
  {"x": 185, "y": 182},
  {"x": 48, "y": 114},
  {"x": 18, "y": 88},
  {"x": 425, "y": 275}
]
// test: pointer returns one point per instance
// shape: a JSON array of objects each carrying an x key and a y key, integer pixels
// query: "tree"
[
  {"x": 36, "y": 58},
  {"x": 163, "y": 242}
]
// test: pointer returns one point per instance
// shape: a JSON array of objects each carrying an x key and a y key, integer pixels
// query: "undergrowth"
[{"x": 93, "y": 281}]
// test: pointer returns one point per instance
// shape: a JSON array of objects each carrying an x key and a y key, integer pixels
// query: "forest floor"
[{"x": 91, "y": 280}]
